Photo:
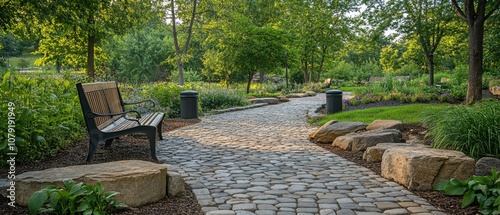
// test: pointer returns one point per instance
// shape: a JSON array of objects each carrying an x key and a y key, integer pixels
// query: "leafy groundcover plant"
[
  {"x": 73, "y": 198},
  {"x": 484, "y": 190}
]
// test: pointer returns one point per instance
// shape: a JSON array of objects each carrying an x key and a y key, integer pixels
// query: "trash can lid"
[
  {"x": 189, "y": 93},
  {"x": 334, "y": 92}
]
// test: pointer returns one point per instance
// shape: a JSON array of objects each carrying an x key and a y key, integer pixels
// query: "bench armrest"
[
  {"x": 133, "y": 103},
  {"x": 91, "y": 115}
]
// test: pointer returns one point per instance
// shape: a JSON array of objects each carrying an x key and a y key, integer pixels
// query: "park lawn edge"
[{"x": 411, "y": 113}]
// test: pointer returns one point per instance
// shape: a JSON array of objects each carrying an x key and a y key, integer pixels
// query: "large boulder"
[
  {"x": 484, "y": 166},
  {"x": 333, "y": 129},
  {"x": 138, "y": 182},
  {"x": 374, "y": 153},
  {"x": 495, "y": 90},
  {"x": 361, "y": 141},
  {"x": 310, "y": 93},
  {"x": 421, "y": 168},
  {"x": 383, "y": 124}
]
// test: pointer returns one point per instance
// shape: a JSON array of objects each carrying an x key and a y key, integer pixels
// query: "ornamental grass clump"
[{"x": 473, "y": 130}]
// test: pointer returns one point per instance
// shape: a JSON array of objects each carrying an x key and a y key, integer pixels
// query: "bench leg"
[
  {"x": 108, "y": 143},
  {"x": 152, "y": 143},
  {"x": 159, "y": 130},
  {"x": 92, "y": 148}
]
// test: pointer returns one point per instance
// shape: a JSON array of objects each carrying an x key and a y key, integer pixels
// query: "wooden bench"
[{"x": 106, "y": 117}]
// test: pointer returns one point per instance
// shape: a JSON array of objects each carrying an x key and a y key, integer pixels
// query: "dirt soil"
[{"x": 135, "y": 147}]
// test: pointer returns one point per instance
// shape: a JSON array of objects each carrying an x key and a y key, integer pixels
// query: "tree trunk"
[
  {"x": 190, "y": 29},
  {"x": 320, "y": 69},
  {"x": 475, "y": 16},
  {"x": 261, "y": 78},
  {"x": 249, "y": 82},
  {"x": 312, "y": 68},
  {"x": 58, "y": 66},
  {"x": 305, "y": 70},
  {"x": 90, "y": 56},
  {"x": 430, "y": 61},
  {"x": 475, "y": 81},
  {"x": 178, "y": 54}
]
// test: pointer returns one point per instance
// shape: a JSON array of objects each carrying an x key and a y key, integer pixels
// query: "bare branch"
[
  {"x": 459, "y": 10},
  {"x": 497, "y": 5}
]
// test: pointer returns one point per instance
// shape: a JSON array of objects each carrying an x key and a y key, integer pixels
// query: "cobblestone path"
[{"x": 259, "y": 161}]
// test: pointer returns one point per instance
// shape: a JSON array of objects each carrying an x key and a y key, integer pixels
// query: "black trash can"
[
  {"x": 333, "y": 101},
  {"x": 189, "y": 104}
]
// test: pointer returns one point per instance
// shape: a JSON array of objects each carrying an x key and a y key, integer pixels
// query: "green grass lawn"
[
  {"x": 351, "y": 89},
  {"x": 413, "y": 113},
  {"x": 15, "y": 61}
]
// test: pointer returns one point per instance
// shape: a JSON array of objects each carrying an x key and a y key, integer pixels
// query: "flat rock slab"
[
  {"x": 138, "y": 182},
  {"x": 333, "y": 129},
  {"x": 361, "y": 141},
  {"x": 421, "y": 168},
  {"x": 301, "y": 95},
  {"x": 383, "y": 124},
  {"x": 264, "y": 100},
  {"x": 374, "y": 153}
]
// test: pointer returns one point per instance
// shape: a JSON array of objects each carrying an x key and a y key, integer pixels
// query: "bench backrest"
[{"x": 101, "y": 98}]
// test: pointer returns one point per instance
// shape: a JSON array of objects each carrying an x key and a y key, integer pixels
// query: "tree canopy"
[{"x": 231, "y": 41}]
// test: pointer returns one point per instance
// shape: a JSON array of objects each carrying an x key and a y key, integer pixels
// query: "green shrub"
[
  {"x": 484, "y": 190},
  {"x": 47, "y": 116},
  {"x": 458, "y": 92},
  {"x": 473, "y": 130},
  {"x": 167, "y": 95},
  {"x": 315, "y": 87},
  {"x": 460, "y": 75},
  {"x": 366, "y": 70},
  {"x": 73, "y": 198},
  {"x": 221, "y": 99}
]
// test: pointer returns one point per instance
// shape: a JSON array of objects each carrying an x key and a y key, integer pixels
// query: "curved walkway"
[{"x": 259, "y": 161}]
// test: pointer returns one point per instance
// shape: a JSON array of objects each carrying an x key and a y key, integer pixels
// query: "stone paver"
[{"x": 259, "y": 161}]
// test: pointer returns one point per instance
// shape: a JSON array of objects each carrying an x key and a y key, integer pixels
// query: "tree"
[
  {"x": 492, "y": 46},
  {"x": 390, "y": 60},
  {"x": 240, "y": 48},
  {"x": 259, "y": 49},
  {"x": 10, "y": 46},
  {"x": 428, "y": 20},
  {"x": 94, "y": 20},
  {"x": 138, "y": 55},
  {"x": 318, "y": 29},
  {"x": 8, "y": 13},
  {"x": 181, "y": 54},
  {"x": 475, "y": 13},
  {"x": 62, "y": 48}
]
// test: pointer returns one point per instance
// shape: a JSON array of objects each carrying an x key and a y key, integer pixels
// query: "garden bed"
[{"x": 131, "y": 147}]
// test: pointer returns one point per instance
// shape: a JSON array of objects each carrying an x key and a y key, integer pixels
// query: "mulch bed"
[{"x": 133, "y": 147}]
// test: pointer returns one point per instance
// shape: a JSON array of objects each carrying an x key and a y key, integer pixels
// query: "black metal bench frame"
[{"x": 106, "y": 117}]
